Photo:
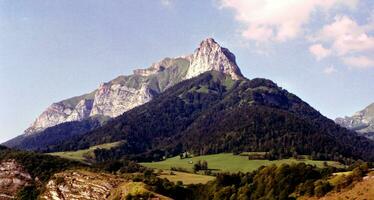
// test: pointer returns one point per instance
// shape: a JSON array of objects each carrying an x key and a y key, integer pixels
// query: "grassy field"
[
  {"x": 86, "y": 154},
  {"x": 228, "y": 162},
  {"x": 186, "y": 178},
  {"x": 134, "y": 189}
]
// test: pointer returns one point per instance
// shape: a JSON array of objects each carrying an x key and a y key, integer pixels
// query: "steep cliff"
[
  {"x": 13, "y": 177},
  {"x": 126, "y": 92},
  {"x": 361, "y": 122}
]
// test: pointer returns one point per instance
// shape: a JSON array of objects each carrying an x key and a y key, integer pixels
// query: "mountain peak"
[
  {"x": 211, "y": 56},
  {"x": 126, "y": 92},
  {"x": 209, "y": 42},
  {"x": 361, "y": 122}
]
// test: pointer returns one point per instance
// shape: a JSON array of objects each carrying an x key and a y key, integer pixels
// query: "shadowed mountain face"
[
  {"x": 361, "y": 122},
  {"x": 126, "y": 92},
  {"x": 213, "y": 113}
]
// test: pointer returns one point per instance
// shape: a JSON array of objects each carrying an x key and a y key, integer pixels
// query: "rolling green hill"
[
  {"x": 185, "y": 178},
  {"x": 85, "y": 155},
  {"x": 227, "y": 162}
]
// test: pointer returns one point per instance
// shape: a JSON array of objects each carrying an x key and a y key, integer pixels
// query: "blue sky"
[{"x": 51, "y": 50}]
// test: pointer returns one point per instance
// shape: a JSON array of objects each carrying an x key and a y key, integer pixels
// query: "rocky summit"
[
  {"x": 117, "y": 96},
  {"x": 362, "y": 122}
]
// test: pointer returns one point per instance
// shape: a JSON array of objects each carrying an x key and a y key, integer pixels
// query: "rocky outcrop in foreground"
[
  {"x": 13, "y": 177},
  {"x": 84, "y": 185}
]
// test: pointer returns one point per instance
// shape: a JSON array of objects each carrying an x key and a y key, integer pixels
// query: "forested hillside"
[{"x": 213, "y": 113}]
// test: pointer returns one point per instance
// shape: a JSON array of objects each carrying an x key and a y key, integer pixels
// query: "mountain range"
[
  {"x": 123, "y": 93},
  {"x": 195, "y": 105},
  {"x": 199, "y": 103},
  {"x": 213, "y": 113},
  {"x": 361, "y": 122}
]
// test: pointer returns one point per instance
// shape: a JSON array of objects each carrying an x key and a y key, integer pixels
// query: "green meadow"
[
  {"x": 86, "y": 154},
  {"x": 227, "y": 162}
]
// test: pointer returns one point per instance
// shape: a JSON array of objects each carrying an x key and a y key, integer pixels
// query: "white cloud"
[
  {"x": 361, "y": 62},
  {"x": 329, "y": 70},
  {"x": 346, "y": 36},
  {"x": 276, "y": 20},
  {"x": 266, "y": 21},
  {"x": 319, "y": 51},
  {"x": 349, "y": 41}
]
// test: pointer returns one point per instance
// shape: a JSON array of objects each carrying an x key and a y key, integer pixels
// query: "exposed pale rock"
[
  {"x": 55, "y": 114},
  {"x": 113, "y": 100},
  {"x": 59, "y": 112},
  {"x": 362, "y": 121},
  {"x": 13, "y": 177},
  {"x": 81, "y": 111},
  {"x": 211, "y": 56},
  {"x": 80, "y": 185},
  {"x": 84, "y": 185}
]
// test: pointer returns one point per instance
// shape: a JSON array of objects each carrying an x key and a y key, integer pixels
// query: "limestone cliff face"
[
  {"x": 362, "y": 122},
  {"x": 13, "y": 177},
  {"x": 114, "y": 99},
  {"x": 126, "y": 92},
  {"x": 61, "y": 112},
  {"x": 211, "y": 56}
]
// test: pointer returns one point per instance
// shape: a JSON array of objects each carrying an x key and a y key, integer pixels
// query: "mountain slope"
[
  {"x": 213, "y": 113},
  {"x": 126, "y": 92},
  {"x": 361, "y": 122},
  {"x": 62, "y": 120},
  {"x": 55, "y": 135}
]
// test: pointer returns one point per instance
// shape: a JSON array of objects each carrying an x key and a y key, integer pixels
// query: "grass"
[
  {"x": 252, "y": 153},
  {"x": 133, "y": 189},
  {"x": 186, "y": 178},
  {"x": 363, "y": 190},
  {"x": 86, "y": 154},
  {"x": 227, "y": 162}
]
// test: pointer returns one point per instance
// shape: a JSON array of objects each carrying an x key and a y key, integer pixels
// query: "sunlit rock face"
[
  {"x": 59, "y": 113},
  {"x": 13, "y": 177},
  {"x": 126, "y": 92},
  {"x": 80, "y": 185},
  {"x": 85, "y": 185},
  {"x": 211, "y": 56},
  {"x": 81, "y": 111},
  {"x": 113, "y": 100},
  {"x": 361, "y": 122}
]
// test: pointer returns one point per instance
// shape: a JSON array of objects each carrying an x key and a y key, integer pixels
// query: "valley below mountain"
[
  {"x": 27, "y": 175},
  {"x": 190, "y": 127}
]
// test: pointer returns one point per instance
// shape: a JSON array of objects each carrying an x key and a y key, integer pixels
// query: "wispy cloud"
[
  {"x": 277, "y": 21},
  {"x": 329, "y": 70},
  {"x": 348, "y": 41},
  {"x": 341, "y": 37},
  {"x": 319, "y": 51},
  {"x": 346, "y": 36},
  {"x": 361, "y": 62}
]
